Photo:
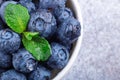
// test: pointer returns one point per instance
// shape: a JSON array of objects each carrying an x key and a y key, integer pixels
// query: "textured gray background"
[{"x": 99, "y": 57}]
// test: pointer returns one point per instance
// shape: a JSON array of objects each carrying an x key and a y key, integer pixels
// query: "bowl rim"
[{"x": 77, "y": 11}]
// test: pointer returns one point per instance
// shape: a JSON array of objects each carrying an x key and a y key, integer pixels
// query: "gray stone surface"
[{"x": 99, "y": 57}]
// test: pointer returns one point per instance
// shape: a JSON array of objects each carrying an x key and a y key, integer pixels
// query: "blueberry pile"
[{"x": 52, "y": 20}]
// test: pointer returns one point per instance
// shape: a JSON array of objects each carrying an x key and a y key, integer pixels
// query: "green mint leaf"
[
  {"x": 37, "y": 46},
  {"x": 16, "y": 17},
  {"x": 29, "y": 35}
]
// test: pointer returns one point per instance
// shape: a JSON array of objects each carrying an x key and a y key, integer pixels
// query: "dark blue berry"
[
  {"x": 1, "y": 2},
  {"x": 10, "y": 0},
  {"x": 12, "y": 75},
  {"x": 2, "y": 70},
  {"x": 59, "y": 56},
  {"x": 23, "y": 61},
  {"x": 1, "y": 24},
  {"x": 26, "y": 0},
  {"x": 69, "y": 30},
  {"x": 9, "y": 41},
  {"x": 36, "y": 2},
  {"x": 51, "y": 3},
  {"x": 28, "y": 4},
  {"x": 3, "y": 6},
  {"x": 41, "y": 73},
  {"x": 62, "y": 14},
  {"x": 43, "y": 22},
  {"x": 5, "y": 60}
]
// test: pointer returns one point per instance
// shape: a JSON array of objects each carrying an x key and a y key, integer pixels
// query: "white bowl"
[{"x": 75, "y": 6}]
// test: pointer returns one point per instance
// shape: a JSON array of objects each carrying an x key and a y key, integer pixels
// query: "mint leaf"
[
  {"x": 29, "y": 35},
  {"x": 16, "y": 17},
  {"x": 37, "y": 46}
]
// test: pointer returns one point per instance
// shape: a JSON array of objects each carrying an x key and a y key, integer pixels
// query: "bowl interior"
[{"x": 75, "y": 7}]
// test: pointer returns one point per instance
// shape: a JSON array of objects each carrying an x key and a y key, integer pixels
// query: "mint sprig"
[
  {"x": 29, "y": 35},
  {"x": 16, "y": 17},
  {"x": 37, "y": 46}
]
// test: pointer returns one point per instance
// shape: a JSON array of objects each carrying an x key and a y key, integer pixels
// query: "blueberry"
[
  {"x": 10, "y": 0},
  {"x": 42, "y": 21},
  {"x": 1, "y": 24},
  {"x": 36, "y": 2},
  {"x": 5, "y": 60},
  {"x": 9, "y": 41},
  {"x": 69, "y": 30},
  {"x": 59, "y": 57},
  {"x": 51, "y": 3},
  {"x": 23, "y": 61},
  {"x": 41, "y": 73},
  {"x": 1, "y": 2},
  {"x": 12, "y": 75},
  {"x": 26, "y": 0},
  {"x": 3, "y": 6},
  {"x": 62, "y": 14},
  {"x": 2, "y": 70},
  {"x": 28, "y": 4}
]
